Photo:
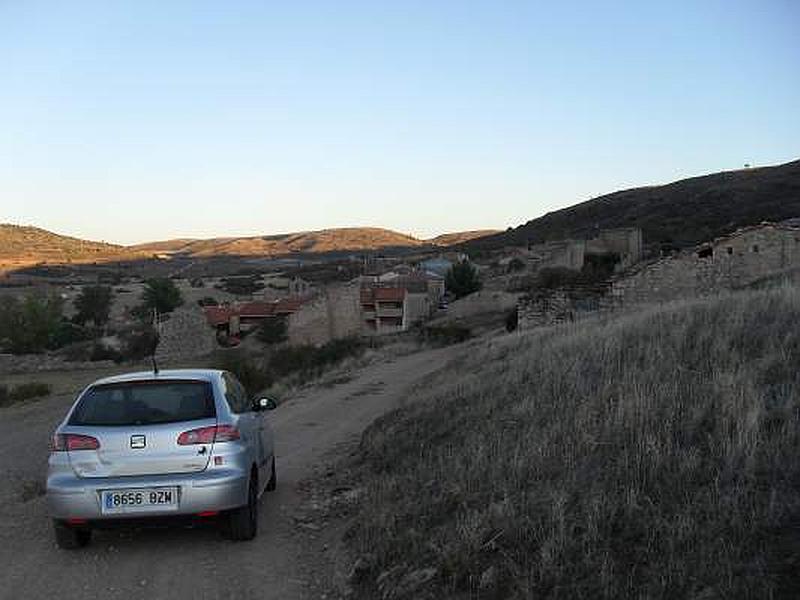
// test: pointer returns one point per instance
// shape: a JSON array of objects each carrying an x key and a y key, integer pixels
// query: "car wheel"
[
  {"x": 71, "y": 538},
  {"x": 273, "y": 480},
  {"x": 242, "y": 522}
]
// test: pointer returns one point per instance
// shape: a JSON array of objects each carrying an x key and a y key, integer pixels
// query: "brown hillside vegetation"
[
  {"x": 326, "y": 240},
  {"x": 652, "y": 456},
  {"x": 683, "y": 213},
  {"x": 449, "y": 239},
  {"x": 23, "y": 245}
]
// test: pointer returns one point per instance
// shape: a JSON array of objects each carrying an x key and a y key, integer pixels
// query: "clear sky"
[{"x": 141, "y": 120}]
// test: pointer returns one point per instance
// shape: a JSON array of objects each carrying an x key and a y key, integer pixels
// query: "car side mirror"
[{"x": 266, "y": 404}]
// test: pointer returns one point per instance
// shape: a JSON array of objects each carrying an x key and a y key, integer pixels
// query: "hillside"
[
  {"x": 450, "y": 239},
  {"x": 310, "y": 242},
  {"x": 23, "y": 245},
  {"x": 650, "y": 456},
  {"x": 682, "y": 213},
  {"x": 326, "y": 240}
]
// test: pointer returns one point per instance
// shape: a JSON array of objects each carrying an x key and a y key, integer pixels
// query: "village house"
[{"x": 234, "y": 319}]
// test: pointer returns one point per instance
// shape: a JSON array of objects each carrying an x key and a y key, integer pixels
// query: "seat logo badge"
[{"x": 137, "y": 441}]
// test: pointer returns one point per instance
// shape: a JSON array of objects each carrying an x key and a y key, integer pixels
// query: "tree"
[
  {"x": 28, "y": 325},
  {"x": 273, "y": 331},
  {"x": 462, "y": 279},
  {"x": 161, "y": 294},
  {"x": 94, "y": 304}
]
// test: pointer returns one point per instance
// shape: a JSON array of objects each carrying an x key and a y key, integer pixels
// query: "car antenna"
[{"x": 155, "y": 364}]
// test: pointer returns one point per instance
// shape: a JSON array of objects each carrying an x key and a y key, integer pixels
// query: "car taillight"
[
  {"x": 209, "y": 435},
  {"x": 63, "y": 442}
]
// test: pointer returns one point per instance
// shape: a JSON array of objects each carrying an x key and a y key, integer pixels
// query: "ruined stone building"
[
  {"x": 625, "y": 243},
  {"x": 744, "y": 258},
  {"x": 757, "y": 255}
]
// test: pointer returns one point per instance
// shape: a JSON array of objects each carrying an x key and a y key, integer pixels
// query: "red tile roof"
[
  {"x": 390, "y": 294},
  {"x": 220, "y": 315}
]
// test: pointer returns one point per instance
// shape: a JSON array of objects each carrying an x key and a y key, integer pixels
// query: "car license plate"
[{"x": 139, "y": 500}]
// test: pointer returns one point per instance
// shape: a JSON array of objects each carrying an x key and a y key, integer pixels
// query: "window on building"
[
  {"x": 705, "y": 253},
  {"x": 730, "y": 250},
  {"x": 755, "y": 248}
]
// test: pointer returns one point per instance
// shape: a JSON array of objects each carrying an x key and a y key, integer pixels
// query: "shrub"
[
  {"x": 67, "y": 333},
  {"x": 94, "y": 304},
  {"x": 102, "y": 352},
  {"x": 309, "y": 361},
  {"x": 242, "y": 286},
  {"x": 162, "y": 295},
  {"x": 273, "y": 331},
  {"x": 445, "y": 335},
  {"x": 27, "y": 325},
  {"x": 247, "y": 370},
  {"x": 138, "y": 343},
  {"x": 462, "y": 279},
  {"x": 651, "y": 456},
  {"x": 26, "y": 391},
  {"x": 22, "y": 392}
]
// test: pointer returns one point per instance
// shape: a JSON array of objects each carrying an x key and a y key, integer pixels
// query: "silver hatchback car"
[{"x": 161, "y": 444}]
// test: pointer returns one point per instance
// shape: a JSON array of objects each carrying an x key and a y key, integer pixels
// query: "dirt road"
[{"x": 189, "y": 563}]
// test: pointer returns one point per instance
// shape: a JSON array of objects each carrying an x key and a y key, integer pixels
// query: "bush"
[
  {"x": 102, "y": 352},
  {"x": 138, "y": 343},
  {"x": 67, "y": 333},
  {"x": 309, "y": 361},
  {"x": 445, "y": 335},
  {"x": 94, "y": 304},
  {"x": 651, "y": 456},
  {"x": 247, "y": 370},
  {"x": 162, "y": 295},
  {"x": 22, "y": 392},
  {"x": 242, "y": 286},
  {"x": 27, "y": 325},
  {"x": 273, "y": 331},
  {"x": 462, "y": 279}
]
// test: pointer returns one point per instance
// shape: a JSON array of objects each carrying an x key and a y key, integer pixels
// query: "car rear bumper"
[{"x": 71, "y": 497}]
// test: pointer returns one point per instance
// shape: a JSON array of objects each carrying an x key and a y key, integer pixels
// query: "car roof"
[{"x": 168, "y": 374}]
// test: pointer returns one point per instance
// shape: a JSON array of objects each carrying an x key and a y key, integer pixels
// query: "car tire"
[
  {"x": 71, "y": 538},
  {"x": 242, "y": 523},
  {"x": 273, "y": 480}
]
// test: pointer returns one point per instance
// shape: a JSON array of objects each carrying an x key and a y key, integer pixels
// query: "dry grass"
[{"x": 655, "y": 456}]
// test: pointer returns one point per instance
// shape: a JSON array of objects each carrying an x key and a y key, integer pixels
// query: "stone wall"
[
  {"x": 560, "y": 306},
  {"x": 184, "y": 335},
  {"x": 335, "y": 313},
  {"x": 733, "y": 262}
]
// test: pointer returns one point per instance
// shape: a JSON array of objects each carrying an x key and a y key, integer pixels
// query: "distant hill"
[
  {"x": 449, "y": 239},
  {"x": 22, "y": 246},
  {"x": 326, "y": 240},
  {"x": 682, "y": 213}
]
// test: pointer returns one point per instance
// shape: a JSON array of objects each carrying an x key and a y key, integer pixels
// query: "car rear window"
[{"x": 144, "y": 403}]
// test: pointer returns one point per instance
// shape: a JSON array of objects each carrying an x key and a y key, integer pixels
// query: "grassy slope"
[
  {"x": 653, "y": 456},
  {"x": 685, "y": 212},
  {"x": 21, "y": 242}
]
